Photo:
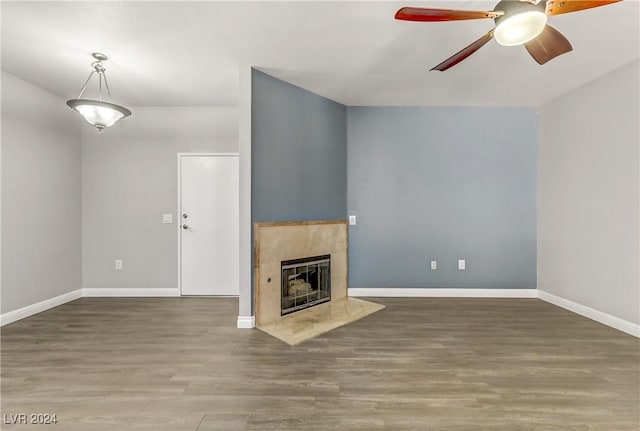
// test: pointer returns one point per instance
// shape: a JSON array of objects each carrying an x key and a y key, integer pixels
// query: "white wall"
[
  {"x": 246, "y": 319},
  {"x": 588, "y": 195},
  {"x": 41, "y": 224},
  {"x": 129, "y": 179}
]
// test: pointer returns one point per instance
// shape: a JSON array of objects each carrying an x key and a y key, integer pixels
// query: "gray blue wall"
[
  {"x": 425, "y": 183},
  {"x": 442, "y": 184},
  {"x": 298, "y": 152}
]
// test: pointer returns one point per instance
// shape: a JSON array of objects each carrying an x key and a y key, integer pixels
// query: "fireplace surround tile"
[
  {"x": 279, "y": 241},
  {"x": 276, "y": 242}
]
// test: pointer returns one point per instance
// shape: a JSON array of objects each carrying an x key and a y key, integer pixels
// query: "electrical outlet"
[
  {"x": 462, "y": 265},
  {"x": 434, "y": 264},
  {"x": 118, "y": 264}
]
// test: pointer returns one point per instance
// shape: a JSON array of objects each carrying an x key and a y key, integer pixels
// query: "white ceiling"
[{"x": 188, "y": 53}]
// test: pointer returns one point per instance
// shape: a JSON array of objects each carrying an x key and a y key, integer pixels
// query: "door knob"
[{"x": 185, "y": 227}]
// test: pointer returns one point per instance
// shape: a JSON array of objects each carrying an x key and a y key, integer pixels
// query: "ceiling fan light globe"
[{"x": 520, "y": 28}]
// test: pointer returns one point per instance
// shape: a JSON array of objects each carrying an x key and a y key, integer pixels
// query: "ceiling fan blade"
[
  {"x": 435, "y": 15},
  {"x": 464, "y": 53},
  {"x": 557, "y": 7},
  {"x": 548, "y": 45}
]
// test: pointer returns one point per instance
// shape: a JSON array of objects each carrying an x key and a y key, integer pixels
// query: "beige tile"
[
  {"x": 339, "y": 274},
  {"x": 275, "y": 242},
  {"x": 223, "y": 422},
  {"x": 268, "y": 296},
  {"x": 306, "y": 324}
]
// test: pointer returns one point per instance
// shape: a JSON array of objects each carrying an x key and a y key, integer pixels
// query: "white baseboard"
[
  {"x": 39, "y": 307},
  {"x": 444, "y": 293},
  {"x": 128, "y": 293},
  {"x": 246, "y": 322},
  {"x": 599, "y": 316}
]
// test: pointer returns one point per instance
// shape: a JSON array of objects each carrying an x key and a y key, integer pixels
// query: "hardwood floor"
[{"x": 420, "y": 364}]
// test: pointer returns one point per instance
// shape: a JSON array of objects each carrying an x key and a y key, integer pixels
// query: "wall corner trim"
[
  {"x": 443, "y": 293},
  {"x": 246, "y": 322},
  {"x": 590, "y": 313},
  {"x": 39, "y": 307},
  {"x": 130, "y": 293}
]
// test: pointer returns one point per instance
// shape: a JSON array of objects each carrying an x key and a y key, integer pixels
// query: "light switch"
[
  {"x": 167, "y": 218},
  {"x": 462, "y": 264},
  {"x": 352, "y": 220}
]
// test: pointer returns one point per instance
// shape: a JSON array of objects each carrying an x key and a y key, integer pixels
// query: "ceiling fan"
[{"x": 517, "y": 22}]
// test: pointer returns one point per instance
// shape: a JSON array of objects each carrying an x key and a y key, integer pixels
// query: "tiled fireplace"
[
  {"x": 298, "y": 265},
  {"x": 301, "y": 280}
]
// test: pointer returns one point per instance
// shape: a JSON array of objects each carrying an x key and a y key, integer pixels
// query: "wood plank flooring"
[{"x": 180, "y": 364}]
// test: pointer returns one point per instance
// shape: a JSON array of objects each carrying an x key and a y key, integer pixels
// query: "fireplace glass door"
[{"x": 305, "y": 282}]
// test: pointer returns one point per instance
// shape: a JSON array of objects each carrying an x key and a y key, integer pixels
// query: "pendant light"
[{"x": 98, "y": 113}]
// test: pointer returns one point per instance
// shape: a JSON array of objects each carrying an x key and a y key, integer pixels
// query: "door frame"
[{"x": 179, "y": 206}]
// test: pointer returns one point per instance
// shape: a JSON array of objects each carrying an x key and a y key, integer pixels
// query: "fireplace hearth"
[{"x": 305, "y": 282}]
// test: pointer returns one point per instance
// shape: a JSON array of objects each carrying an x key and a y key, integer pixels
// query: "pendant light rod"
[
  {"x": 84, "y": 87},
  {"x": 106, "y": 84}
]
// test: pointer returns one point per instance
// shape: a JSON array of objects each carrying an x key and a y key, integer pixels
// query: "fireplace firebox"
[{"x": 305, "y": 282}]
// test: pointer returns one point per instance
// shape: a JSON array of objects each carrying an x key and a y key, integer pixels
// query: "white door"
[{"x": 209, "y": 224}]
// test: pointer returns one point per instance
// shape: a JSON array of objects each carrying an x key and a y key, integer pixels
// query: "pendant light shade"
[{"x": 98, "y": 113}]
